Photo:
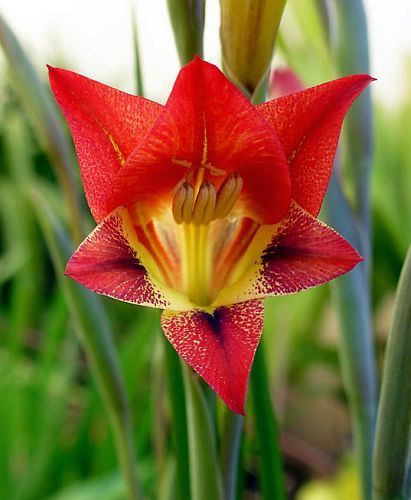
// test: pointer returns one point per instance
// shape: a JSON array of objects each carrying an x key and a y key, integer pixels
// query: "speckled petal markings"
[
  {"x": 308, "y": 124},
  {"x": 220, "y": 346},
  {"x": 107, "y": 263},
  {"x": 304, "y": 253},
  {"x": 106, "y": 125}
]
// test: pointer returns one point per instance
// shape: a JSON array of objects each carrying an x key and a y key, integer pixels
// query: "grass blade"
[
  {"x": 393, "y": 430},
  {"x": 47, "y": 123},
  {"x": 271, "y": 472},
  {"x": 96, "y": 336}
]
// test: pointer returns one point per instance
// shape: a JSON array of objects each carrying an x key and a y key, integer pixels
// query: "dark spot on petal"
[{"x": 214, "y": 321}]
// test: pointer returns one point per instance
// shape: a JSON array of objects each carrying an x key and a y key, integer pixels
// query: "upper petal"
[
  {"x": 106, "y": 125},
  {"x": 108, "y": 262},
  {"x": 220, "y": 347},
  {"x": 308, "y": 124},
  {"x": 303, "y": 253},
  {"x": 208, "y": 123}
]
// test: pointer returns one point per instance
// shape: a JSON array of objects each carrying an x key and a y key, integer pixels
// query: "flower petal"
[
  {"x": 220, "y": 347},
  {"x": 208, "y": 123},
  {"x": 106, "y": 125},
  {"x": 308, "y": 124},
  {"x": 303, "y": 253},
  {"x": 107, "y": 262}
]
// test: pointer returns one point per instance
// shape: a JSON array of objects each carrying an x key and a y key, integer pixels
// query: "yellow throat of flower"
[{"x": 198, "y": 248}]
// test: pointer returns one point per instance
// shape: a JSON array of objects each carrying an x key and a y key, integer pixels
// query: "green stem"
[
  {"x": 230, "y": 451},
  {"x": 394, "y": 415},
  {"x": 137, "y": 57},
  {"x": 272, "y": 477},
  {"x": 178, "y": 419},
  {"x": 205, "y": 476},
  {"x": 187, "y": 20}
]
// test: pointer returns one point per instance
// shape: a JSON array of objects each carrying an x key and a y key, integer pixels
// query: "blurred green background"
[{"x": 55, "y": 437}]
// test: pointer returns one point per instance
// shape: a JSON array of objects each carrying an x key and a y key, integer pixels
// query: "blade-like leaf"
[
  {"x": 95, "y": 333},
  {"x": 393, "y": 430},
  {"x": 41, "y": 109}
]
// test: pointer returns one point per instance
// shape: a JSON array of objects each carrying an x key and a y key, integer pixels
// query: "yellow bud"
[{"x": 248, "y": 32}]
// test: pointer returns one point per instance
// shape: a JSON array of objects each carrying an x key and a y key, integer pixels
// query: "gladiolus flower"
[{"x": 206, "y": 205}]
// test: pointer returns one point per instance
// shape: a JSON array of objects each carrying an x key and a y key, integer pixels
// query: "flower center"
[
  {"x": 194, "y": 208},
  {"x": 207, "y": 204}
]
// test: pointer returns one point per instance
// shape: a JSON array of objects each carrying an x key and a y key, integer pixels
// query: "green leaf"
[
  {"x": 96, "y": 336},
  {"x": 393, "y": 431},
  {"x": 46, "y": 120}
]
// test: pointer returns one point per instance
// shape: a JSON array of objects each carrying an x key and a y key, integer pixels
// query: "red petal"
[
  {"x": 219, "y": 347},
  {"x": 106, "y": 126},
  {"x": 207, "y": 120},
  {"x": 303, "y": 253},
  {"x": 107, "y": 263},
  {"x": 308, "y": 124}
]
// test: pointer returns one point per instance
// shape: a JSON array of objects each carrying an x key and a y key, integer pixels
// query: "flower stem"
[
  {"x": 187, "y": 20},
  {"x": 205, "y": 475},
  {"x": 272, "y": 477},
  {"x": 178, "y": 419},
  {"x": 230, "y": 451}
]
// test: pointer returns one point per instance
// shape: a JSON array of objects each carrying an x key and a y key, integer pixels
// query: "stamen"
[
  {"x": 183, "y": 203},
  {"x": 201, "y": 203},
  {"x": 208, "y": 214},
  {"x": 227, "y": 195},
  {"x": 188, "y": 203},
  {"x": 178, "y": 202}
]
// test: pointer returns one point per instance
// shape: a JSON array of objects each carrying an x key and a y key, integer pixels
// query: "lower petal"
[
  {"x": 107, "y": 262},
  {"x": 303, "y": 253},
  {"x": 220, "y": 346}
]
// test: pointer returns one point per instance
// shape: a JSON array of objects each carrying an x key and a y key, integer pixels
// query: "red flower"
[{"x": 207, "y": 205}]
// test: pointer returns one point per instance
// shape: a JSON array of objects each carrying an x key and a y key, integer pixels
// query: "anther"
[
  {"x": 183, "y": 203},
  {"x": 227, "y": 195},
  {"x": 188, "y": 203},
  {"x": 209, "y": 209},
  {"x": 204, "y": 205}
]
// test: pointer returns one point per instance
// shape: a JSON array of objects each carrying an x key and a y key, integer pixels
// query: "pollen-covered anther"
[
  {"x": 227, "y": 195},
  {"x": 183, "y": 203},
  {"x": 204, "y": 207}
]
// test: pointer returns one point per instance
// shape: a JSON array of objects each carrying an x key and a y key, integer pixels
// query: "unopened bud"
[{"x": 248, "y": 33}]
